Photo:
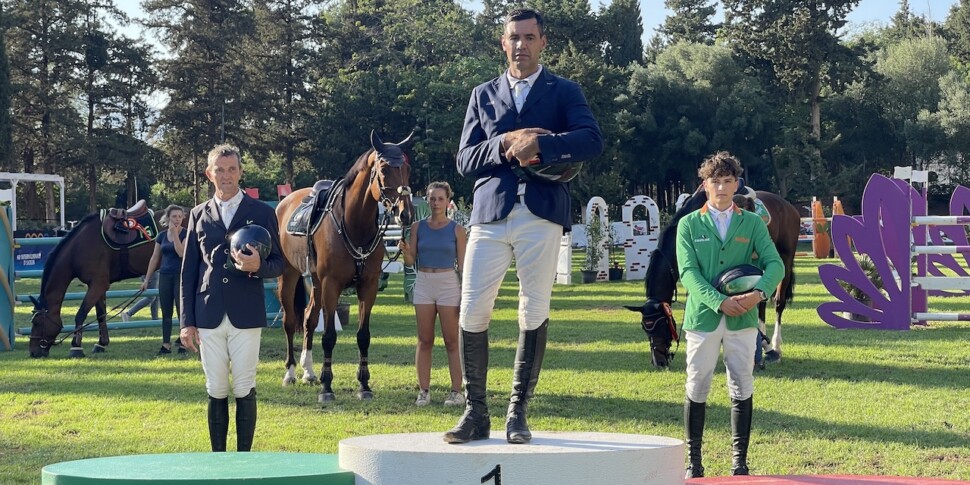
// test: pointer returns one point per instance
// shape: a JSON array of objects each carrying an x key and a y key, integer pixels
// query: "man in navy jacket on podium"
[
  {"x": 527, "y": 117},
  {"x": 223, "y": 303}
]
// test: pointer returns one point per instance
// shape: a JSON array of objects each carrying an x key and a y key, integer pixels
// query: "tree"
[
  {"x": 279, "y": 98},
  {"x": 45, "y": 43},
  {"x": 690, "y": 22},
  {"x": 622, "y": 26},
  {"x": 6, "y": 128},
  {"x": 204, "y": 78},
  {"x": 794, "y": 46},
  {"x": 694, "y": 100},
  {"x": 957, "y": 31}
]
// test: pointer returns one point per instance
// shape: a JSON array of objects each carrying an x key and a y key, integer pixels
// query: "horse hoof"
[
  {"x": 289, "y": 381},
  {"x": 326, "y": 397},
  {"x": 311, "y": 380},
  {"x": 772, "y": 356},
  {"x": 76, "y": 354},
  {"x": 365, "y": 395},
  {"x": 98, "y": 349}
]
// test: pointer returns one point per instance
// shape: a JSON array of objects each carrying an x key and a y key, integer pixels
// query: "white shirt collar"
[
  {"x": 232, "y": 202},
  {"x": 716, "y": 213},
  {"x": 531, "y": 80}
]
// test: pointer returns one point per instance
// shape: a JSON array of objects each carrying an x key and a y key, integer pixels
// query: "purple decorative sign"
[
  {"x": 884, "y": 233},
  {"x": 881, "y": 233}
]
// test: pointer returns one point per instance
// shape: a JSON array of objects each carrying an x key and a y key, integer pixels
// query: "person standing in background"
[
  {"x": 437, "y": 248},
  {"x": 167, "y": 259}
]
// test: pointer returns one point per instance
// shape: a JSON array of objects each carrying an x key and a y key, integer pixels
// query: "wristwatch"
[{"x": 764, "y": 296}]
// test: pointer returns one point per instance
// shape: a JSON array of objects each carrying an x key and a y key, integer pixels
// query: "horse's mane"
[
  {"x": 692, "y": 203},
  {"x": 359, "y": 165},
  {"x": 52, "y": 258},
  {"x": 666, "y": 246}
]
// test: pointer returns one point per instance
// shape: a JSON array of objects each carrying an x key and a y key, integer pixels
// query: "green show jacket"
[{"x": 702, "y": 256}]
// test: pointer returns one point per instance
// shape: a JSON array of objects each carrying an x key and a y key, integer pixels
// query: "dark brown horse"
[
  {"x": 347, "y": 251},
  {"x": 662, "y": 273},
  {"x": 83, "y": 254}
]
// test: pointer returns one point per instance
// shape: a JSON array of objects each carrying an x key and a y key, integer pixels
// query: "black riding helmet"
[
  {"x": 738, "y": 280},
  {"x": 548, "y": 172},
  {"x": 254, "y": 235}
]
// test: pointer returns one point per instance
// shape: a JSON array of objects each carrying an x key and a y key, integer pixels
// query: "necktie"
[
  {"x": 722, "y": 227},
  {"x": 519, "y": 92}
]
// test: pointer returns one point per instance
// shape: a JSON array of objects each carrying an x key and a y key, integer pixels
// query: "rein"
[{"x": 121, "y": 307}]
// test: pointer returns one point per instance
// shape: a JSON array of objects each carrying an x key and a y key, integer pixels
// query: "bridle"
[
  {"x": 403, "y": 192},
  {"x": 376, "y": 177}
]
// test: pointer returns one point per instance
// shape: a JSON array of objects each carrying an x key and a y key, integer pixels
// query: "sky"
[{"x": 653, "y": 12}]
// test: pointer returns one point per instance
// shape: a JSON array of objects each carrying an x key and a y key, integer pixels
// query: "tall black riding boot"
[
  {"x": 245, "y": 421},
  {"x": 528, "y": 363},
  {"x": 694, "y": 413},
  {"x": 475, "y": 424},
  {"x": 741, "y": 434},
  {"x": 218, "y": 422}
]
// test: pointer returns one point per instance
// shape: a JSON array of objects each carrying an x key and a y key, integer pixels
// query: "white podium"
[{"x": 553, "y": 458}]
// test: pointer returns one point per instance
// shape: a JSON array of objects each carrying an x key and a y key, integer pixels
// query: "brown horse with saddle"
[
  {"x": 334, "y": 234},
  {"x": 100, "y": 250}
]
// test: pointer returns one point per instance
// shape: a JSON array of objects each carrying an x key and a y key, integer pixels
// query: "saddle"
[
  {"x": 309, "y": 214},
  {"x": 128, "y": 227}
]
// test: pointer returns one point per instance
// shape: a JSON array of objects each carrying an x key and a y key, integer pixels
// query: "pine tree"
[
  {"x": 622, "y": 25},
  {"x": 204, "y": 78},
  {"x": 691, "y": 22},
  {"x": 6, "y": 129},
  {"x": 957, "y": 31}
]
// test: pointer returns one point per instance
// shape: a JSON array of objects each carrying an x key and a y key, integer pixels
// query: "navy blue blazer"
[
  {"x": 209, "y": 289},
  {"x": 554, "y": 103}
]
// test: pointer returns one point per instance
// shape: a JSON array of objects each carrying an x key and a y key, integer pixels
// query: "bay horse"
[
  {"x": 662, "y": 274},
  {"x": 346, "y": 250},
  {"x": 84, "y": 254}
]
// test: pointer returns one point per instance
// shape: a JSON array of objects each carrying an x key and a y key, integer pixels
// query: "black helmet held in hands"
[
  {"x": 254, "y": 235},
  {"x": 738, "y": 280},
  {"x": 548, "y": 172}
]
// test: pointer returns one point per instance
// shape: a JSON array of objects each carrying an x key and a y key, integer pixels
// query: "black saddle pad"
[{"x": 308, "y": 215}]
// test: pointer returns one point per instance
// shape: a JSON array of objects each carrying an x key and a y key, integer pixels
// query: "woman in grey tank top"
[{"x": 436, "y": 245}]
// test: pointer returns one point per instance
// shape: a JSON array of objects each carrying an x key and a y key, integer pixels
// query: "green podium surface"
[{"x": 201, "y": 468}]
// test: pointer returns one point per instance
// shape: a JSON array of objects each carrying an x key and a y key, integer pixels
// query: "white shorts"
[{"x": 442, "y": 289}]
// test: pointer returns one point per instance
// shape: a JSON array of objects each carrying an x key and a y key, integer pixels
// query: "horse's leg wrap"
[
  {"x": 694, "y": 414},
  {"x": 218, "y": 422},
  {"x": 528, "y": 363},
  {"x": 475, "y": 424},
  {"x": 326, "y": 374},
  {"x": 245, "y": 421},
  {"x": 740, "y": 433}
]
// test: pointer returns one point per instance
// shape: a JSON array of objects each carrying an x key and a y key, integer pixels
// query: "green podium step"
[{"x": 201, "y": 468}]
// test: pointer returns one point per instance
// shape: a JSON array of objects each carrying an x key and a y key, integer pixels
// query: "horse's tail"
[{"x": 790, "y": 291}]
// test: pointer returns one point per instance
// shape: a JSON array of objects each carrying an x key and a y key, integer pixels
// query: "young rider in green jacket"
[{"x": 710, "y": 240}]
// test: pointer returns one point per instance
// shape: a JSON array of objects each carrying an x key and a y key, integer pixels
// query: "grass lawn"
[{"x": 840, "y": 402}]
